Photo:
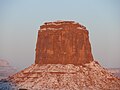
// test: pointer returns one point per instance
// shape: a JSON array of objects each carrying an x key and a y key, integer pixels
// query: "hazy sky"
[{"x": 20, "y": 21}]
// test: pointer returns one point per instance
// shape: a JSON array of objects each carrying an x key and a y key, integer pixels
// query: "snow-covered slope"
[{"x": 90, "y": 76}]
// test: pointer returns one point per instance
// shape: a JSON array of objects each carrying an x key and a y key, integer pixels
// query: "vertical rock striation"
[{"x": 63, "y": 42}]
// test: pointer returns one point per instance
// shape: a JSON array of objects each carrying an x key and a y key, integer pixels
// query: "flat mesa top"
[
  {"x": 61, "y": 25},
  {"x": 60, "y": 22}
]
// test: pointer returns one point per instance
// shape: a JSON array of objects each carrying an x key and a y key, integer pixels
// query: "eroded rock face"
[
  {"x": 91, "y": 76},
  {"x": 63, "y": 42}
]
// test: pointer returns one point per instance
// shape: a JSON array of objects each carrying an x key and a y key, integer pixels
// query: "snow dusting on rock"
[{"x": 90, "y": 76}]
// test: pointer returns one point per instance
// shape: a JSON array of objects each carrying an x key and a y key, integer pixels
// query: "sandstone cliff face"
[{"x": 63, "y": 42}]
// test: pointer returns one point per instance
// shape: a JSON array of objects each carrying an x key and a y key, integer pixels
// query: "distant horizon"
[{"x": 20, "y": 22}]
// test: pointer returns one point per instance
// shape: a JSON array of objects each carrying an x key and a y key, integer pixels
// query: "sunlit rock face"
[{"x": 63, "y": 42}]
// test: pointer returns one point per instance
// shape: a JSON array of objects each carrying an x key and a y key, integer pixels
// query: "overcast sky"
[{"x": 20, "y": 21}]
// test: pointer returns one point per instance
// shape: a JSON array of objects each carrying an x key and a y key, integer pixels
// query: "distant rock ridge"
[
  {"x": 63, "y": 42},
  {"x": 6, "y": 69},
  {"x": 4, "y": 63}
]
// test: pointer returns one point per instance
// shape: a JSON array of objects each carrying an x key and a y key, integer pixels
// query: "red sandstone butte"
[{"x": 63, "y": 42}]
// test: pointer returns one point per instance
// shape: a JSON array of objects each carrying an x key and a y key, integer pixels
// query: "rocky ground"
[{"x": 90, "y": 76}]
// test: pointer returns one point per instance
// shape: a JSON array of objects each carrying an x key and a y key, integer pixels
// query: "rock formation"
[
  {"x": 64, "y": 62},
  {"x": 90, "y": 76},
  {"x": 63, "y": 42}
]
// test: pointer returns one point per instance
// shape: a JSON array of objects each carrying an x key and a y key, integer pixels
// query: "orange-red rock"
[{"x": 63, "y": 42}]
